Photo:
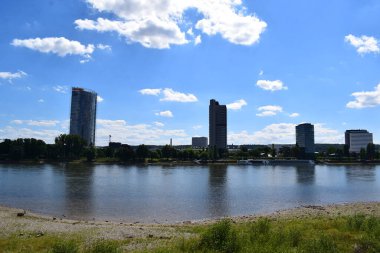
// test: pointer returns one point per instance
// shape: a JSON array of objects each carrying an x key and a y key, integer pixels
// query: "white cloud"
[
  {"x": 10, "y": 76},
  {"x": 266, "y": 114},
  {"x": 196, "y": 127},
  {"x": 237, "y": 105},
  {"x": 157, "y": 24},
  {"x": 137, "y": 134},
  {"x": 158, "y": 124},
  {"x": 175, "y": 96},
  {"x": 170, "y": 95},
  {"x": 198, "y": 40},
  {"x": 365, "y": 99},
  {"x": 363, "y": 44},
  {"x": 104, "y": 47},
  {"x": 61, "y": 89},
  {"x": 47, "y": 135},
  {"x": 190, "y": 32},
  {"x": 269, "y": 110},
  {"x": 99, "y": 99},
  {"x": 60, "y": 46},
  {"x": 271, "y": 85},
  {"x": 167, "y": 114},
  {"x": 284, "y": 133},
  {"x": 40, "y": 100},
  {"x": 154, "y": 92},
  {"x": 39, "y": 123},
  {"x": 294, "y": 115},
  {"x": 261, "y": 73}
]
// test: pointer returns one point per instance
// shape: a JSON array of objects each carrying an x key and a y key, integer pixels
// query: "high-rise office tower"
[
  {"x": 83, "y": 114},
  {"x": 217, "y": 125},
  {"x": 357, "y": 139},
  {"x": 199, "y": 142},
  {"x": 305, "y": 137}
]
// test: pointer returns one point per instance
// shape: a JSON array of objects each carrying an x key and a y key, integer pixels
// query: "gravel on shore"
[{"x": 17, "y": 221}]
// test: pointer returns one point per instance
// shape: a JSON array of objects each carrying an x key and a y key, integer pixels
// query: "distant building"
[
  {"x": 199, "y": 142},
  {"x": 305, "y": 137},
  {"x": 83, "y": 114},
  {"x": 217, "y": 125},
  {"x": 357, "y": 139}
]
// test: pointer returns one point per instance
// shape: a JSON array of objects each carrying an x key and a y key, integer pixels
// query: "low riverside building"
[
  {"x": 357, "y": 139},
  {"x": 199, "y": 142}
]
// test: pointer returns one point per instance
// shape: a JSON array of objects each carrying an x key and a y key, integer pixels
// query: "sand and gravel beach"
[{"x": 31, "y": 223}]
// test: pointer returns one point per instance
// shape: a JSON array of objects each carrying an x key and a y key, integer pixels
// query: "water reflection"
[
  {"x": 362, "y": 173},
  {"x": 78, "y": 191},
  {"x": 305, "y": 174},
  {"x": 218, "y": 202},
  {"x": 177, "y": 193}
]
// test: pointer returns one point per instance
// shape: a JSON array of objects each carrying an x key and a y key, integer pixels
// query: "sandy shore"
[{"x": 35, "y": 224}]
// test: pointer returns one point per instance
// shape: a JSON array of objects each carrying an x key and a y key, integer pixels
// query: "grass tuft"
[{"x": 65, "y": 247}]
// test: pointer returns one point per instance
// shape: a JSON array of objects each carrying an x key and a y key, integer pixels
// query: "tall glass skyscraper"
[
  {"x": 305, "y": 137},
  {"x": 83, "y": 114},
  {"x": 217, "y": 125}
]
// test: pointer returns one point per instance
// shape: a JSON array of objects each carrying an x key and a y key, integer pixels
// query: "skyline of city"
[{"x": 313, "y": 63}]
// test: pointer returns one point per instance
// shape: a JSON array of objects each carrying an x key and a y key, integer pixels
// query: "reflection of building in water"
[
  {"x": 306, "y": 191},
  {"x": 362, "y": 173},
  {"x": 79, "y": 191},
  {"x": 305, "y": 174},
  {"x": 218, "y": 199}
]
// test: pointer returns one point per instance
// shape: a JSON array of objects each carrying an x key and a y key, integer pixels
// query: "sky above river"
[{"x": 156, "y": 64}]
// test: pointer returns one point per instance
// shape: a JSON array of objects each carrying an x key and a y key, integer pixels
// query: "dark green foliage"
[
  {"x": 22, "y": 149},
  {"x": 70, "y": 146},
  {"x": 90, "y": 153},
  {"x": 126, "y": 153},
  {"x": 142, "y": 152},
  {"x": 65, "y": 247},
  {"x": 220, "y": 237},
  {"x": 371, "y": 150}
]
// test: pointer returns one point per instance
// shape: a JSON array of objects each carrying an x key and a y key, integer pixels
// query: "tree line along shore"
[{"x": 72, "y": 148}]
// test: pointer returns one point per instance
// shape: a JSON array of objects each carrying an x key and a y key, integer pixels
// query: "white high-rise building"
[{"x": 357, "y": 139}]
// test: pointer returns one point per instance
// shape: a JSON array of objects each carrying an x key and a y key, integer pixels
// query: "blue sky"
[{"x": 155, "y": 65}]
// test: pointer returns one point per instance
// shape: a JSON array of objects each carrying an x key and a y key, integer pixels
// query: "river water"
[{"x": 179, "y": 193}]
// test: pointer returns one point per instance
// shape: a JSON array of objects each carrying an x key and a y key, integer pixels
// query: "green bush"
[
  {"x": 220, "y": 237},
  {"x": 65, "y": 247}
]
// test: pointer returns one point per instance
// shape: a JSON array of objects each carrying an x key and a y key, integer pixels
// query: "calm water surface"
[{"x": 178, "y": 193}]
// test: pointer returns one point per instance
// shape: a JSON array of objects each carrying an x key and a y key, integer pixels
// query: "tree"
[
  {"x": 273, "y": 151},
  {"x": 346, "y": 150},
  {"x": 362, "y": 154},
  {"x": 70, "y": 146},
  {"x": 125, "y": 153},
  {"x": 90, "y": 153},
  {"x": 142, "y": 152},
  {"x": 371, "y": 151}
]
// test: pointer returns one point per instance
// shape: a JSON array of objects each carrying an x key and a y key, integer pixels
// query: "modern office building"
[
  {"x": 83, "y": 114},
  {"x": 199, "y": 142},
  {"x": 357, "y": 139},
  {"x": 217, "y": 125},
  {"x": 305, "y": 137}
]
